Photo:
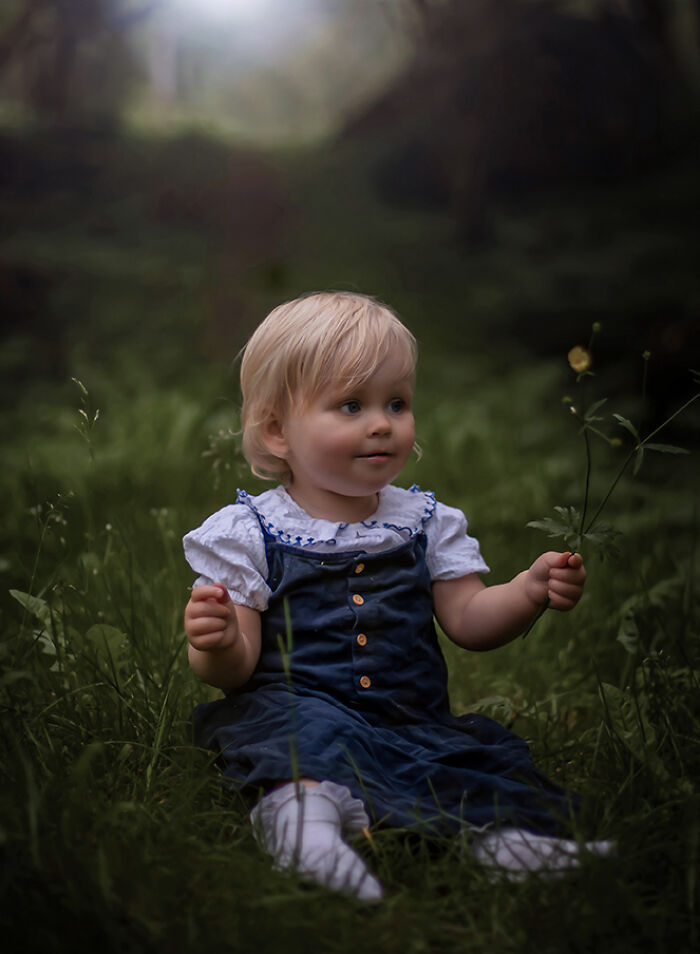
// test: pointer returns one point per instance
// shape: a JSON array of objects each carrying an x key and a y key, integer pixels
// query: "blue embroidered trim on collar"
[{"x": 243, "y": 497}]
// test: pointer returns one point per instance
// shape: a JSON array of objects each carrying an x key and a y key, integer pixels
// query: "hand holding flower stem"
[{"x": 570, "y": 524}]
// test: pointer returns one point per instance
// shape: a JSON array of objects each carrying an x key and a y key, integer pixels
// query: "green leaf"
[
  {"x": 549, "y": 526},
  {"x": 38, "y": 608},
  {"x": 629, "y": 720},
  {"x": 565, "y": 526},
  {"x": 628, "y": 634},
  {"x": 628, "y": 425},
  {"x": 666, "y": 449},
  {"x": 505, "y": 707},
  {"x": 603, "y": 540},
  {"x": 657, "y": 595},
  {"x": 638, "y": 458},
  {"x": 108, "y": 641},
  {"x": 108, "y": 648},
  {"x": 52, "y": 637},
  {"x": 589, "y": 414}
]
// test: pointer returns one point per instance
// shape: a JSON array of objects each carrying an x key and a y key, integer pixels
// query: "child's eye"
[
  {"x": 350, "y": 407},
  {"x": 397, "y": 405}
]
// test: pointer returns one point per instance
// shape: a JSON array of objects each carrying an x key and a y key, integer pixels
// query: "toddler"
[{"x": 314, "y": 611}]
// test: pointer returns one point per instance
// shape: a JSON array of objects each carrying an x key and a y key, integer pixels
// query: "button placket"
[{"x": 361, "y": 637}]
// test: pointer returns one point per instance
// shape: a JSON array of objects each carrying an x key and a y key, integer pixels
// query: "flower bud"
[{"x": 580, "y": 359}]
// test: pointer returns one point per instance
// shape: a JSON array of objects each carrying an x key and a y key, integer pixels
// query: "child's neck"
[{"x": 335, "y": 508}]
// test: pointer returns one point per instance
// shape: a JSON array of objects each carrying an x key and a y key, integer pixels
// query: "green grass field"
[{"x": 115, "y": 833}]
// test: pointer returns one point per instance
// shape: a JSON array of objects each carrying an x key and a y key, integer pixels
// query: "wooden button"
[
  {"x": 362, "y": 639},
  {"x": 359, "y": 568},
  {"x": 365, "y": 682},
  {"x": 357, "y": 599}
]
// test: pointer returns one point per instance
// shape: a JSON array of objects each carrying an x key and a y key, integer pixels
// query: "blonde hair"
[{"x": 322, "y": 339}]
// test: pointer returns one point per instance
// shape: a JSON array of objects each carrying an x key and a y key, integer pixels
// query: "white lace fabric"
[{"x": 229, "y": 546}]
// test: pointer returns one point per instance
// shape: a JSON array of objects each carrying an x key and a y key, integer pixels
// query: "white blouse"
[{"x": 229, "y": 547}]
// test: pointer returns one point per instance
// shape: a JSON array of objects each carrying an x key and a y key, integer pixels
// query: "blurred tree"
[
  {"x": 655, "y": 17},
  {"x": 505, "y": 95},
  {"x": 69, "y": 61}
]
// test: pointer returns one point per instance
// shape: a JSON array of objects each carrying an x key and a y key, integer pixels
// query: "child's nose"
[{"x": 379, "y": 423}]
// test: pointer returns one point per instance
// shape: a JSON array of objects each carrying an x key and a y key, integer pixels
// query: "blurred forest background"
[
  {"x": 505, "y": 173},
  {"x": 558, "y": 138}
]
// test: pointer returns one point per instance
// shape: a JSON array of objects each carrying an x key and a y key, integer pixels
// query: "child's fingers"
[
  {"x": 207, "y": 608},
  {"x": 553, "y": 560},
  {"x": 568, "y": 592},
  {"x": 208, "y": 641},
  {"x": 568, "y": 574},
  {"x": 206, "y": 624},
  {"x": 565, "y": 587},
  {"x": 561, "y": 604},
  {"x": 562, "y": 575},
  {"x": 210, "y": 591},
  {"x": 569, "y": 566},
  {"x": 209, "y": 616}
]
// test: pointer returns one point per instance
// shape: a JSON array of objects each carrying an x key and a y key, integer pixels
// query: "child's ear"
[{"x": 272, "y": 434}]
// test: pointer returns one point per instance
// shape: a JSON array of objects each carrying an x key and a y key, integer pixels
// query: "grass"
[{"x": 114, "y": 831}]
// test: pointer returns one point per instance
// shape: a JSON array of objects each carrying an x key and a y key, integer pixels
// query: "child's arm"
[
  {"x": 224, "y": 637},
  {"x": 478, "y": 617}
]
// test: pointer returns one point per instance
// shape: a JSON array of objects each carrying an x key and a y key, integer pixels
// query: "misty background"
[{"x": 534, "y": 159}]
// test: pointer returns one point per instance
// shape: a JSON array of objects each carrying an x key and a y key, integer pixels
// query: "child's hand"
[
  {"x": 210, "y": 619},
  {"x": 558, "y": 577}
]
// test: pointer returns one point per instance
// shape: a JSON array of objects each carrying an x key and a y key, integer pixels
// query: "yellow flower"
[{"x": 580, "y": 358}]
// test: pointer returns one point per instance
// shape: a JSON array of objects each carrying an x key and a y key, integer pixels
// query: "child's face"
[{"x": 349, "y": 444}]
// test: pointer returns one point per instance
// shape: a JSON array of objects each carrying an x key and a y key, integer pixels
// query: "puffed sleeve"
[
  {"x": 228, "y": 548},
  {"x": 451, "y": 552}
]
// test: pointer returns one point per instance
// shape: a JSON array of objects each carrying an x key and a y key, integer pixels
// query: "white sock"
[
  {"x": 301, "y": 827},
  {"x": 520, "y": 852}
]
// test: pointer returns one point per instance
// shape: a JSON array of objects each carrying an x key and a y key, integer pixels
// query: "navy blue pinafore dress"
[{"x": 351, "y": 686}]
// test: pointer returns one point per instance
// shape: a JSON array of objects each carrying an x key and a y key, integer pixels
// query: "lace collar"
[{"x": 400, "y": 512}]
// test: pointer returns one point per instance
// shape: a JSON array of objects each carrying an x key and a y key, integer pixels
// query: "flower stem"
[
  {"x": 540, "y": 613},
  {"x": 611, "y": 488},
  {"x": 586, "y": 493},
  {"x": 669, "y": 419},
  {"x": 631, "y": 455}
]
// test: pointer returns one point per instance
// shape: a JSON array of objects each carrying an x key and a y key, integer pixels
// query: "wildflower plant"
[
  {"x": 223, "y": 453},
  {"x": 576, "y": 527},
  {"x": 579, "y": 527},
  {"x": 87, "y": 417}
]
